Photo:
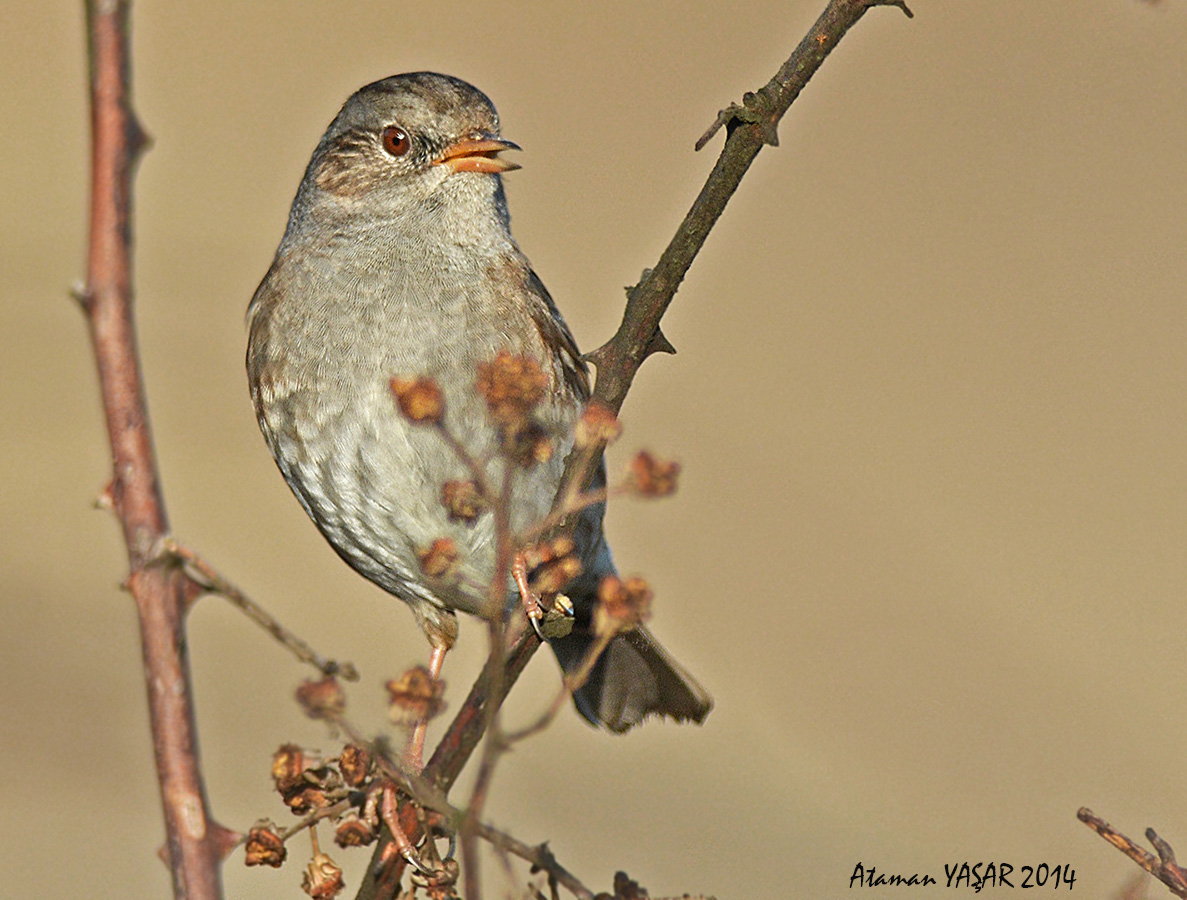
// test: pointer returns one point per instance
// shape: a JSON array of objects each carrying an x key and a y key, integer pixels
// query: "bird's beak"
[{"x": 478, "y": 155}]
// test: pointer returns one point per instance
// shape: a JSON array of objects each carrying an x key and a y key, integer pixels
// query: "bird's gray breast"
[{"x": 371, "y": 480}]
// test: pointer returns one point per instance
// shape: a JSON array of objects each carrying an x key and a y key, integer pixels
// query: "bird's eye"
[{"x": 396, "y": 140}]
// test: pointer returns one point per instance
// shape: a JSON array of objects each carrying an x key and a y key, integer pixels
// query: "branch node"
[{"x": 756, "y": 109}]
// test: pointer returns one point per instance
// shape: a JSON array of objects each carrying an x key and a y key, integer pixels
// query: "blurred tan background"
[{"x": 929, "y": 549}]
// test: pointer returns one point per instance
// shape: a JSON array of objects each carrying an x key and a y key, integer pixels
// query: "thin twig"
[
  {"x": 540, "y": 857},
  {"x": 570, "y": 684},
  {"x": 212, "y": 581},
  {"x": 476, "y": 464},
  {"x": 571, "y": 504},
  {"x": 313, "y": 818},
  {"x": 504, "y": 553}
]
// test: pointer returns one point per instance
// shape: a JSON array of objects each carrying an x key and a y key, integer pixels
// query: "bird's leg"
[
  {"x": 414, "y": 753},
  {"x": 389, "y": 811},
  {"x": 531, "y": 603}
]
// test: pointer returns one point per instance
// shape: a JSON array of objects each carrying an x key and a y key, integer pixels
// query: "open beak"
[{"x": 478, "y": 155}]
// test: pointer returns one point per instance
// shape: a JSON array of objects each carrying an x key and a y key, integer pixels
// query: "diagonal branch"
[
  {"x": 196, "y": 844},
  {"x": 748, "y": 128}
]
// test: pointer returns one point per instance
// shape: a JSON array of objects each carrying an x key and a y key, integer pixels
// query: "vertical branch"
[{"x": 161, "y": 591}]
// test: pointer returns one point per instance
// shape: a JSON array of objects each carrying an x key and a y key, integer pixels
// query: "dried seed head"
[
  {"x": 553, "y": 577},
  {"x": 416, "y": 696},
  {"x": 323, "y": 878},
  {"x": 653, "y": 477},
  {"x": 439, "y": 559},
  {"x": 420, "y": 400},
  {"x": 353, "y": 831},
  {"x": 302, "y": 779},
  {"x": 553, "y": 565},
  {"x": 303, "y": 800},
  {"x": 598, "y": 426},
  {"x": 355, "y": 765},
  {"x": 264, "y": 846},
  {"x": 288, "y": 768},
  {"x": 548, "y": 551},
  {"x": 463, "y": 501},
  {"x": 621, "y": 604},
  {"x": 526, "y": 443},
  {"x": 322, "y": 699},
  {"x": 512, "y": 387}
]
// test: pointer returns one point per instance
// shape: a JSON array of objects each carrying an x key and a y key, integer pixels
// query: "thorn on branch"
[
  {"x": 659, "y": 343},
  {"x": 139, "y": 140},
  {"x": 901, "y": 4},
  {"x": 83, "y": 297}
]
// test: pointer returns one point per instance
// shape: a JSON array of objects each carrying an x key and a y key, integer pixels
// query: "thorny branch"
[
  {"x": 1164, "y": 867},
  {"x": 196, "y": 844},
  {"x": 749, "y": 127}
]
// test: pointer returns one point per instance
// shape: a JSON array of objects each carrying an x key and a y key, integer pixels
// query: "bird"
[{"x": 398, "y": 260}]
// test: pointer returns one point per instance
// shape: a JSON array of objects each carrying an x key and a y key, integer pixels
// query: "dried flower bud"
[
  {"x": 420, "y": 400},
  {"x": 463, "y": 501},
  {"x": 526, "y": 443},
  {"x": 355, "y": 765},
  {"x": 288, "y": 767},
  {"x": 548, "y": 551},
  {"x": 301, "y": 779},
  {"x": 625, "y": 888},
  {"x": 440, "y": 558},
  {"x": 323, "y": 878},
  {"x": 512, "y": 386},
  {"x": 553, "y": 565},
  {"x": 597, "y": 426},
  {"x": 621, "y": 604},
  {"x": 553, "y": 577},
  {"x": 653, "y": 477},
  {"x": 416, "y": 696},
  {"x": 322, "y": 699},
  {"x": 264, "y": 846},
  {"x": 303, "y": 800},
  {"x": 353, "y": 831}
]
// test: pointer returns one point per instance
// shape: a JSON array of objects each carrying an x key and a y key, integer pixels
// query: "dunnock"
[{"x": 398, "y": 260}]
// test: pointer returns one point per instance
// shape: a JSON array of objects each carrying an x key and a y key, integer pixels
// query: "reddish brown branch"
[
  {"x": 749, "y": 127},
  {"x": 1164, "y": 867},
  {"x": 196, "y": 844}
]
